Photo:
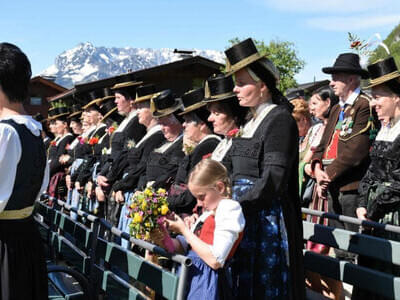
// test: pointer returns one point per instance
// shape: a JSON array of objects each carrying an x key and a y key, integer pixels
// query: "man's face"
[{"x": 340, "y": 84}]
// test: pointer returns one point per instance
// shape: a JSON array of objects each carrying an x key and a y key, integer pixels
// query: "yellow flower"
[
  {"x": 137, "y": 218},
  {"x": 147, "y": 235},
  {"x": 148, "y": 192},
  {"x": 144, "y": 205},
  {"x": 147, "y": 224},
  {"x": 164, "y": 209},
  {"x": 133, "y": 205},
  {"x": 155, "y": 212},
  {"x": 161, "y": 191},
  {"x": 138, "y": 235}
]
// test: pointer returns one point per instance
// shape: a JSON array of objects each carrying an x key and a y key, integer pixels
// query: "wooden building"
[{"x": 41, "y": 89}]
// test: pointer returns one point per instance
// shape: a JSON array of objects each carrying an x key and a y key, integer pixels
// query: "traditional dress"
[
  {"x": 269, "y": 261},
  {"x": 22, "y": 180},
  {"x": 223, "y": 232}
]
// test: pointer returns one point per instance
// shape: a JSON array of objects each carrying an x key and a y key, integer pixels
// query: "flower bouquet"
[{"x": 148, "y": 210}]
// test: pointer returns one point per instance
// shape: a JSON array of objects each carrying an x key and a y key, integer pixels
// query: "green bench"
[{"x": 369, "y": 279}]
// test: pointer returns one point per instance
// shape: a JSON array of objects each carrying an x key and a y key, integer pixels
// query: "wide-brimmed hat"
[
  {"x": 219, "y": 87},
  {"x": 347, "y": 63},
  {"x": 61, "y": 112},
  {"x": 106, "y": 106},
  {"x": 164, "y": 103},
  {"x": 39, "y": 117},
  {"x": 192, "y": 100},
  {"x": 98, "y": 96},
  {"x": 244, "y": 54},
  {"x": 145, "y": 92},
  {"x": 126, "y": 84},
  {"x": 383, "y": 71},
  {"x": 75, "y": 110}
]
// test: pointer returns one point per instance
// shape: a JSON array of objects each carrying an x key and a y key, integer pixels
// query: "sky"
[{"x": 44, "y": 29}]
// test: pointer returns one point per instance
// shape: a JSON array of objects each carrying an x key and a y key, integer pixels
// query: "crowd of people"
[{"x": 237, "y": 158}]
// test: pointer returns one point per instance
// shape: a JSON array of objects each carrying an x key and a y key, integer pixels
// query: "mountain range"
[{"x": 86, "y": 62}]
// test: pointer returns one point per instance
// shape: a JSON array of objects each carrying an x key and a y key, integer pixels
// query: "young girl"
[{"x": 213, "y": 239}]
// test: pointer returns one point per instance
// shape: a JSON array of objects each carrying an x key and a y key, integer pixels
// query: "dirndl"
[
  {"x": 260, "y": 265},
  {"x": 23, "y": 272}
]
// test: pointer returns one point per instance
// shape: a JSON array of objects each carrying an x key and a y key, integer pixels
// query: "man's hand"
[
  {"x": 119, "y": 197},
  {"x": 100, "y": 194},
  {"x": 321, "y": 176}
]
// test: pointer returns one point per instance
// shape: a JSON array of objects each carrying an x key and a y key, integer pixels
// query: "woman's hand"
[
  {"x": 176, "y": 225},
  {"x": 361, "y": 213}
]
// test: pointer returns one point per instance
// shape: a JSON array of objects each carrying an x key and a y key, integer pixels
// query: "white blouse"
[
  {"x": 10, "y": 155},
  {"x": 221, "y": 149},
  {"x": 261, "y": 112},
  {"x": 389, "y": 132},
  {"x": 229, "y": 223}
]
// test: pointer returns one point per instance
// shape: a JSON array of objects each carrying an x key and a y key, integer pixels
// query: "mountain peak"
[{"x": 86, "y": 62}]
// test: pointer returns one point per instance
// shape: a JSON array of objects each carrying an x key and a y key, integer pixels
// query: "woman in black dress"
[
  {"x": 22, "y": 179},
  {"x": 379, "y": 189},
  {"x": 269, "y": 261}
]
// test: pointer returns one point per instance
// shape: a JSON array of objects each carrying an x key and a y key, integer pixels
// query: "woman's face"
[
  {"x": 249, "y": 92},
  {"x": 76, "y": 127},
  {"x": 170, "y": 127},
  {"x": 52, "y": 127},
  {"x": 318, "y": 107},
  {"x": 222, "y": 123},
  {"x": 94, "y": 117},
  {"x": 124, "y": 106},
  {"x": 384, "y": 102},
  {"x": 60, "y": 127},
  {"x": 192, "y": 128},
  {"x": 144, "y": 114},
  {"x": 209, "y": 197},
  {"x": 303, "y": 124}
]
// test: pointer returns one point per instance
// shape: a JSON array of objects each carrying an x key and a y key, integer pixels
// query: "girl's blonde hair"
[{"x": 207, "y": 172}]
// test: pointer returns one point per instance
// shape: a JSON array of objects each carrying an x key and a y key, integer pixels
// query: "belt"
[{"x": 16, "y": 214}]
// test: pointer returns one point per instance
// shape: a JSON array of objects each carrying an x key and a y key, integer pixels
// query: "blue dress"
[{"x": 260, "y": 264}]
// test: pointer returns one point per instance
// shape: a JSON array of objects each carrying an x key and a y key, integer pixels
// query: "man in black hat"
[{"x": 341, "y": 159}]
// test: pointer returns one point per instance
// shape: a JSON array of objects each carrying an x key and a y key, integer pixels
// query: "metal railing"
[{"x": 184, "y": 261}]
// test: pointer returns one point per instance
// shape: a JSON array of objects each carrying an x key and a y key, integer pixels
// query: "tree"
[
  {"x": 284, "y": 55},
  {"x": 393, "y": 43}
]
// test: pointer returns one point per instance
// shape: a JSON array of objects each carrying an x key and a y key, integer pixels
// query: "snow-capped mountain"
[{"x": 86, "y": 62}]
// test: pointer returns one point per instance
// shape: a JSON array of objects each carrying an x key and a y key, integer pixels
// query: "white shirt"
[
  {"x": 350, "y": 100},
  {"x": 10, "y": 155},
  {"x": 261, "y": 112}
]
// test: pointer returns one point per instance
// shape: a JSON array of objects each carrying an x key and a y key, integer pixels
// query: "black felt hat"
[
  {"x": 244, "y": 54},
  {"x": 383, "y": 71},
  {"x": 347, "y": 63},
  {"x": 76, "y": 110},
  {"x": 61, "y": 113},
  {"x": 165, "y": 103},
  {"x": 39, "y": 117},
  {"x": 192, "y": 100},
  {"x": 145, "y": 92},
  {"x": 219, "y": 87},
  {"x": 96, "y": 97}
]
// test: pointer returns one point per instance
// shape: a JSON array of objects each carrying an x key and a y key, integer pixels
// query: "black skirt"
[{"x": 23, "y": 272}]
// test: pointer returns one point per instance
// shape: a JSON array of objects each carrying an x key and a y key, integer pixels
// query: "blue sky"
[{"x": 43, "y": 29}]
